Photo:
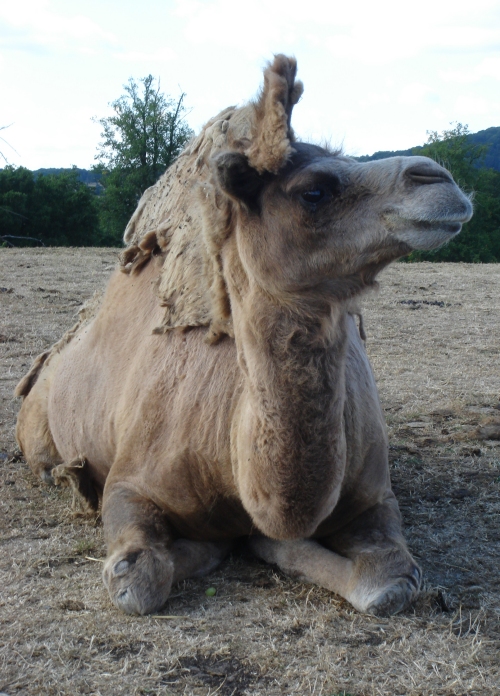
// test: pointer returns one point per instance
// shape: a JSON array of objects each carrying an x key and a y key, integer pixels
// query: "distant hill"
[
  {"x": 490, "y": 137},
  {"x": 87, "y": 176}
]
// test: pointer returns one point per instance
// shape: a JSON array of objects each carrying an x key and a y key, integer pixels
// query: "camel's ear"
[
  {"x": 270, "y": 148},
  {"x": 238, "y": 179}
]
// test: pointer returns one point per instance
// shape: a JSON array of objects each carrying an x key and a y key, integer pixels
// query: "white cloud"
[
  {"x": 377, "y": 74},
  {"x": 487, "y": 69},
  {"x": 414, "y": 93},
  {"x": 473, "y": 105},
  {"x": 32, "y": 24},
  {"x": 161, "y": 54}
]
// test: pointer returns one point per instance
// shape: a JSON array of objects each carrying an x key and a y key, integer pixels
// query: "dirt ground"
[{"x": 433, "y": 340}]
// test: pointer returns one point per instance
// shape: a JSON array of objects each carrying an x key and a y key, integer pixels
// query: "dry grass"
[{"x": 433, "y": 339}]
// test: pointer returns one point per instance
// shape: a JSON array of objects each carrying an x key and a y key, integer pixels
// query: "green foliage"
[
  {"x": 140, "y": 140},
  {"x": 57, "y": 210},
  {"x": 453, "y": 149},
  {"x": 491, "y": 138},
  {"x": 479, "y": 241}
]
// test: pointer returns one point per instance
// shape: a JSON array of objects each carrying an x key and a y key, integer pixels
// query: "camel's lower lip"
[
  {"x": 450, "y": 228},
  {"x": 426, "y": 235}
]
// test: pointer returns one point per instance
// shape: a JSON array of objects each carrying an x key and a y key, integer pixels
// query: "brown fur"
[{"x": 195, "y": 438}]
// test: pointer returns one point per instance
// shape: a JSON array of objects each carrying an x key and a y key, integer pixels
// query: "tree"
[
  {"x": 453, "y": 149},
  {"x": 141, "y": 139},
  {"x": 54, "y": 209},
  {"x": 66, "y": 211},
  {"x": 479, "y": 241}
]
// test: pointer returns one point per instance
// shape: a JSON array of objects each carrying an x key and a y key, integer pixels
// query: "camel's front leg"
[
  {"x": 367, "y": 562},
  {"x": 385, "y": 576},
  {"x": 144, "y": 560}
]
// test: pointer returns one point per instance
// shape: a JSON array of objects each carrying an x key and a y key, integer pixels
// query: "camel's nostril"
[{"x": 427, "y": 174}]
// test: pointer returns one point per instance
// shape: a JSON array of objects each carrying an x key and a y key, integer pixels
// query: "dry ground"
[{"x": 433, "y": 339}]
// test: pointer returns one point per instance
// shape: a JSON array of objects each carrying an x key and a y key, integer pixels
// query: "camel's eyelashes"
[
  {"x": 317, "y": 190},
  {"x": 313, "y": 196}
]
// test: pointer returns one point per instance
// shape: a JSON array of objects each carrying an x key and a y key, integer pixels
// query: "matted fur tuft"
[
  {"x": 78, "y": 476},
  {"x": 185, "y": 219},
  {"x": 271, "y": 148}
]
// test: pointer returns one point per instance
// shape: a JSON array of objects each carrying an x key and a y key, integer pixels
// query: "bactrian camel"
[{"x": 220, "y": 390}]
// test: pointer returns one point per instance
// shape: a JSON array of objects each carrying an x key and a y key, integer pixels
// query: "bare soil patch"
[{"x": 433, "y": 340}]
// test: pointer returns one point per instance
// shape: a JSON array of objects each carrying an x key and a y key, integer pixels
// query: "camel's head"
[{"x": 308, "y": 218}]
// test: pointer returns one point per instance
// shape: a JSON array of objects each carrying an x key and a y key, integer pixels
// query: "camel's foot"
[
  {"x": 385, "y": 583},
  {"x": 145, "y": 559},
  {"x": 139, "y": 580}
]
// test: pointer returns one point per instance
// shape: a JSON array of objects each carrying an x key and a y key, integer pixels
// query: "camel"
[{"x": 220, "y": 390}]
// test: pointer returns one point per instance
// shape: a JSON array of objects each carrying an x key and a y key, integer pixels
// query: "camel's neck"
[{"x": 290, "y": 437}]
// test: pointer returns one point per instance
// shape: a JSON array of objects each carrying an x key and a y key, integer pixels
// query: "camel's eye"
[{"x": 313, "y": 196}]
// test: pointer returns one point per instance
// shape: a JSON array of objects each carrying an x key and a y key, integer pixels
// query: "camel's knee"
[
  {"x": 374, "y": 528},
  {"x": 139, "y": 578},
  {"x": 138, "y": 571},
  {"x": 382, "y": 581}
]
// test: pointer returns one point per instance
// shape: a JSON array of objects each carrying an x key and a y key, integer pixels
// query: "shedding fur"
[
  {"x": 187, "y": 218},
  {"x": 78, "y": 476}
]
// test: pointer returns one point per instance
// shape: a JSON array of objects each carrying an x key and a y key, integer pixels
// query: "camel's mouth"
[
  {"x": 450, "y": 228},
  {"x": 426, "y": 235},
  {"x": 431, "y": 233}
]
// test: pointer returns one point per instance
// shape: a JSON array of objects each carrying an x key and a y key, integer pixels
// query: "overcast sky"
[{"x": 377, "y": 75}]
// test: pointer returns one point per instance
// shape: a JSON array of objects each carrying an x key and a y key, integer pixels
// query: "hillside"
[
  {"x": 87, "y": 176},
  {"x": 489, "y": 136}
]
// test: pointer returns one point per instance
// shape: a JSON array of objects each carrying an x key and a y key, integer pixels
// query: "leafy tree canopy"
[
  {"x": 145, "y": 134},
  {"x": 55, "y": 210}
]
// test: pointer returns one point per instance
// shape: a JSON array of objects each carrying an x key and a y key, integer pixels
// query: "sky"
[{"x": 377, "y": 75}]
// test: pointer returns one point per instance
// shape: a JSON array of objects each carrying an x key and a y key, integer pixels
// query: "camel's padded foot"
[
  {"x": 397, "y": 596},
  {"x": 139, "y": 580},
  {"x": 402, "y": 583}
]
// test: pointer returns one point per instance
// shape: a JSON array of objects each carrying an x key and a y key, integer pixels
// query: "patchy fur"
[
  {"x": 78, "y": 475},
  {"x": 190, "y": 222}
]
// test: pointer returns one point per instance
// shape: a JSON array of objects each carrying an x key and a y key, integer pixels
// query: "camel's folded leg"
[
  {"x": 367, "y": 562},
  {"x": 143, "y": 559}
]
